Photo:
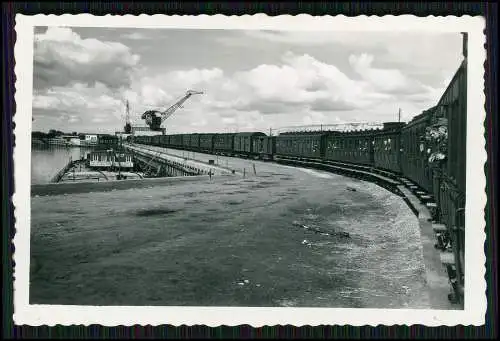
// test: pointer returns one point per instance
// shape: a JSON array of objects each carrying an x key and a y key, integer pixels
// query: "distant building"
[
  {"x": 122, "y": 135},
  {"x": 75, "y": 141},
  {"x": 91, "y": 139},
  {"x": 107, "y": 140},
  {"x": 72, "y": 140}
]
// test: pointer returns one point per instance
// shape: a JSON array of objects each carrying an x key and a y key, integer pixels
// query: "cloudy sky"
[{"x": 253, "y": 80}]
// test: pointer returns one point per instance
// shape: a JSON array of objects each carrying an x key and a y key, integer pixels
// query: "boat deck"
[{"x": 81, "y": 172}]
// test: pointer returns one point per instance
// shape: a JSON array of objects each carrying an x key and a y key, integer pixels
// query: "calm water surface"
[{"x": 47, "y": 161}]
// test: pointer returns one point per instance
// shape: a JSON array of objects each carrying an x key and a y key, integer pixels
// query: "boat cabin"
[{"x": 110, "y": 159}]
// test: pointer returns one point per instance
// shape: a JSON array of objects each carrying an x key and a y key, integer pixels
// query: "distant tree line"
[{"x": 55, "y": 133}]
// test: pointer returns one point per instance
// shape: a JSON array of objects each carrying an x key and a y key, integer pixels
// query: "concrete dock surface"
[{"x": 280, "y": 236}]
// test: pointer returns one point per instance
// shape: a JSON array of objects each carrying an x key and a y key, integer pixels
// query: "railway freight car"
[
  {"x": 186, "y": 141},
  {"x": 264, "y": 146},
  {"x": 176, "y": 141},
  {"x": 243, "y": 145},
  {"x": 301, "y": 145},
  {"x": 155, "y": 140},
  {"x": 224, "y": 143},
  {"x": 132, "y": 139},
  {"x": 206, "y": 143},
  {"x": 194, "y": 143},
  {"x": 144, "y": 139},
  {"x": 164, "y": 141}
]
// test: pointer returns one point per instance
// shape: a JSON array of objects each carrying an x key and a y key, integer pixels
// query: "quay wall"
[{"x": 86, "y": 187}]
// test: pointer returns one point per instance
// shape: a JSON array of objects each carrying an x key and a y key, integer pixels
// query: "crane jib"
[{"x": 151, "y": 116}]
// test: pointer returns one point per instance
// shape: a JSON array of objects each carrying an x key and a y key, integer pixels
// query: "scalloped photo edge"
[{"x": 475, "y": 284}]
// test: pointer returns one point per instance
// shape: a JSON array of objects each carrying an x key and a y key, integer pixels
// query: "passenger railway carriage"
[
  {"x": 356, "y": 147},
  {"x": 301, "y": 145},
  {"x": 430, "y": 151}
]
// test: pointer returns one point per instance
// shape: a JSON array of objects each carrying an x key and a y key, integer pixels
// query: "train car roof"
[
  {"x": 255, "y": 133},
  {"x": 303, "y": 133}
]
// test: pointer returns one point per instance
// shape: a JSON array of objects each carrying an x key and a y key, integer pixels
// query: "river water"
[{"x": 47, "y": 161}]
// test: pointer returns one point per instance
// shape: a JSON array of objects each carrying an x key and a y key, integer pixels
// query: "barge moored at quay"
[{"x": 99, "y": 165}]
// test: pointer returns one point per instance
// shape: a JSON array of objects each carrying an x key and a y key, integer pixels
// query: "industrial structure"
[
  {"x": 152, "y": 118},
  {"x": 127, "y": 129},
  {"x": 155, "y": 118}
]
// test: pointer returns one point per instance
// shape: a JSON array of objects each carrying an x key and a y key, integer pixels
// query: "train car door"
[{"x": 371, "y": 150}]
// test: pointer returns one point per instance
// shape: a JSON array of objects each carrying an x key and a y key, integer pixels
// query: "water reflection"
[{"x": 46, "y": 161}]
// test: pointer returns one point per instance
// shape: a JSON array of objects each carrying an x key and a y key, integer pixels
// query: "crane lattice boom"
[{"x": 155, "y": 118}]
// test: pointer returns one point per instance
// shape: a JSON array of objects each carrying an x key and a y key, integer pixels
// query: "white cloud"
[
  {"x": 80, "y": 104},
  {"x": 303, "y": 82},
  {"x": 292, "y": 37},
  {"x": 390, "y": 81},
  {"x": 414, "y": 50},
  {"x": 62, "y": 57}
]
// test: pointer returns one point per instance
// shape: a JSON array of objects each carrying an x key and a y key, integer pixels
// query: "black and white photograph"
[{"x": 250, "y": 168}]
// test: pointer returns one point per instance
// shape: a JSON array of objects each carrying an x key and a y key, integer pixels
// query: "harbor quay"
[
  {"x": 242, "y": 233},
  {"x": 256, "y": 174}
]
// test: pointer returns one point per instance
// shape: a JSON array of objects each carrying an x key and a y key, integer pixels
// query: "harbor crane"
[
  {"x": 127, "y": 129},
  {"x": 155, "y": 118}
]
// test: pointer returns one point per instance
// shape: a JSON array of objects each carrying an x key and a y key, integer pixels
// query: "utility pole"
[
  {"x": 119, "y": 169},
  {"x": 270, "y": 131}
]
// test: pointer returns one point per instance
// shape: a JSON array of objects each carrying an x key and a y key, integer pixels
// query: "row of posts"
[
  {"x": 186, "y": 155},
  {"x": 244, "y": 172}
]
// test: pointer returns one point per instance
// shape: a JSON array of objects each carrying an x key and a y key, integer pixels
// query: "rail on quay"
[
  {"x": 354, "y": 171},
  {"x": 388, "y": 180}
]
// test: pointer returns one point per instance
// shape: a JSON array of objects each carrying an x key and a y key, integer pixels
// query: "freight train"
[{"x": 429, "y": 150}]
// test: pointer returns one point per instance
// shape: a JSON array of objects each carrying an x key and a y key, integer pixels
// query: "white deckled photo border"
[{"x": 475, "y": 283}]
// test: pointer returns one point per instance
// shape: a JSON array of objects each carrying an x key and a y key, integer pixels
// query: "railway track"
[{"x": 386, "y": 179}]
